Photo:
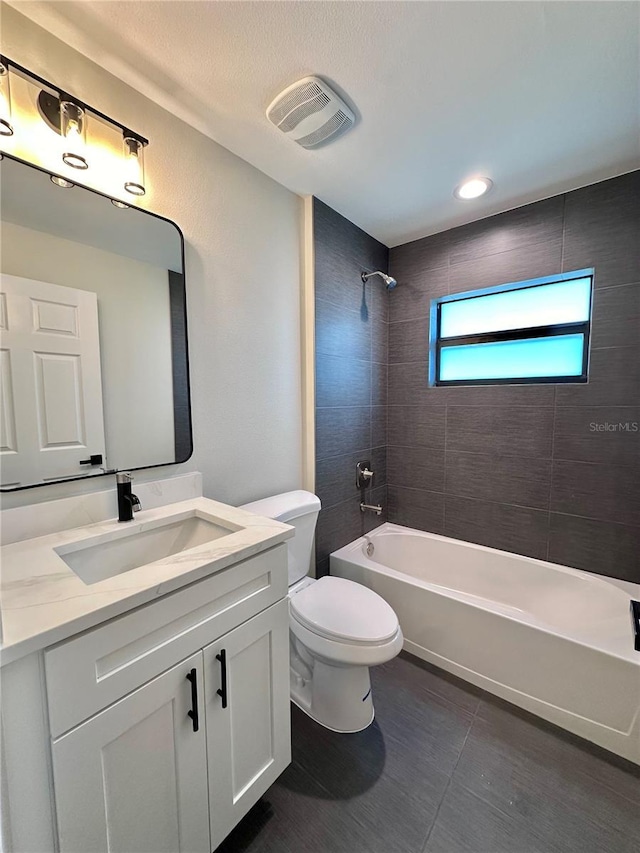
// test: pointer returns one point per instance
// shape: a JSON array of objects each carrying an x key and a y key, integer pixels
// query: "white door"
[
  {"x": 50, "y": 381},
  {"x": 133, "y": 779},
  {"x": 249, "y": 740}
]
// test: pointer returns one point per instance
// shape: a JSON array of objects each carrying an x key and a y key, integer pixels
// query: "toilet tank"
[{"x": 299, "y": 509}]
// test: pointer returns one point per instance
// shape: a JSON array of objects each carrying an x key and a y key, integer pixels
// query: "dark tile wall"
[
  {"x": 520, "y": 467},
  {"x": 351, "y": 378}
]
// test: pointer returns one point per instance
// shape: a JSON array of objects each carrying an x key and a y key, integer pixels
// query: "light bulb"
[
  {"x": 133, "y": 166},
  {"x": 473, "y": 188},
  {"x": 6, "y": 125},
  {"x": 73, "y": 127}
]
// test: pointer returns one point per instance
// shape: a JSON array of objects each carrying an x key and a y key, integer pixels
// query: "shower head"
[{"x": 389, "y": 281}]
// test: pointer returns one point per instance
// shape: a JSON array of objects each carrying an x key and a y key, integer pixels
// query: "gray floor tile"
[
  {"x": 547, "y": 785},
  {"x": 379, "y": 782},
  {"x": 301, "y": 817},
  {"x": 467, "y": 824},
  {"x": 518, "y": 784}
]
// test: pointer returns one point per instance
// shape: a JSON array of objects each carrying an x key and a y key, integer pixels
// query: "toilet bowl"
[{"x": 337, "y": 628}]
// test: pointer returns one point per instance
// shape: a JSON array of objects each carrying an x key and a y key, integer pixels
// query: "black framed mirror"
[{"x": 94, "y": 363}]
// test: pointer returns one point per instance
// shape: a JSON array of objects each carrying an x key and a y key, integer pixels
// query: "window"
[{"x": 532, "y": 331}]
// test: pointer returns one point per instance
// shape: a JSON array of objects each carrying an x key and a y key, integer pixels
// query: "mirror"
[{"x": 94, "y": 371}]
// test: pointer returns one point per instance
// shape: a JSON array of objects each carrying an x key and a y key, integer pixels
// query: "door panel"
[
  {"x": 51, "y": 381},
  {"x": 249, "y": 741},
  {"x": 134, "y": 777}
]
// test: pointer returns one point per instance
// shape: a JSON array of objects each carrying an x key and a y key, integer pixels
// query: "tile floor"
[{"x": 444, "y": 768}]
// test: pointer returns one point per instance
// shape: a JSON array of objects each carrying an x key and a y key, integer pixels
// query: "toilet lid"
[{"x": 340, "y": 609}]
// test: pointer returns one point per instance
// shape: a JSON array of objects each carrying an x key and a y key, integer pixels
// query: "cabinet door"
[
  {"x": 249, "y": 740},
  {"x": 134, "y": 777}
]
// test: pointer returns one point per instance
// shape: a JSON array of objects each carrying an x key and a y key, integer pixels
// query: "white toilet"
[{"x": 337, "y": 628}]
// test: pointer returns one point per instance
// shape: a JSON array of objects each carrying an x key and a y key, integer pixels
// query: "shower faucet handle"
[{"x": 364, "y": 475}]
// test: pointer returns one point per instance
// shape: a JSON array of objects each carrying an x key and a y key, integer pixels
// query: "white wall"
[
  {"x": 135, "y": 336},
  {"x": 242, "y": 233}
]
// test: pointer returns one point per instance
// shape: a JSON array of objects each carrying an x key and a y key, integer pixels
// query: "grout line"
[{"x": 450, "y": 780}]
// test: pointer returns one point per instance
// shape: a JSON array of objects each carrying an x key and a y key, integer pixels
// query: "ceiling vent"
[{"x": 310, "y": 113}]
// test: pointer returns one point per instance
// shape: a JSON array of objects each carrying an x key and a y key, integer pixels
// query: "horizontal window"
[{"x": 532, "y": 331}]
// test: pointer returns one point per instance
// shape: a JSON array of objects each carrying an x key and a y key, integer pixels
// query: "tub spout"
[{"x": 371, "y": 508}]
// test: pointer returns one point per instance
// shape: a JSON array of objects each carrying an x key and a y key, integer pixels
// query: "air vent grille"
[
  {"x": 304, "y": 111},
  {"x": 310, "y": 112},
  {"x": 291, "y": 100},
  {"x": 338, "y": 122}
]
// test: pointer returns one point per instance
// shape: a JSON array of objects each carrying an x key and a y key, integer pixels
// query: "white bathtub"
[{"x": 553, "y": 640}]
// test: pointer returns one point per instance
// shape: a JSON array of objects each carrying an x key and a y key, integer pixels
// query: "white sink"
[{"x": 107, "y": 555}]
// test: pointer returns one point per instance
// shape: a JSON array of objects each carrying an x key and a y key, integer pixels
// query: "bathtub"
[{"x": 553, "y": 640}]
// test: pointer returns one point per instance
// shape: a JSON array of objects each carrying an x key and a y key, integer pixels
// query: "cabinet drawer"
[{"x": 94, "y": 669}]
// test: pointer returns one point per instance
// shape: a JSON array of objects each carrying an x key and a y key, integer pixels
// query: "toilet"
[{"x": 337, "y": 628}]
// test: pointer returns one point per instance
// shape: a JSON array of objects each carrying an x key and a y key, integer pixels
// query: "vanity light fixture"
[
  {"x": 68, "y": 116},
  {"x": 6, "y": 125},
  {"x": 133, "y": 164},
  {"x": 61, "y": 182},
  {"x": 73, "y": 128},
  {"x": 473, "y": 188}
]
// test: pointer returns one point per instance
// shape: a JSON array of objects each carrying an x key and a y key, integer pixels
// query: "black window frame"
[{"x": 437, "y": 343}]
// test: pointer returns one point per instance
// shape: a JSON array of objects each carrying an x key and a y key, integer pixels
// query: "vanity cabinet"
[
  {"x": 246, "y": 677},
  {"x": 134, "y": 777},
  {"x": 157, "y": 756}
]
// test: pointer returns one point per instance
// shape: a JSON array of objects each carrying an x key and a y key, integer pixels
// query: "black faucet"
[{"x": 128, "y": 503}]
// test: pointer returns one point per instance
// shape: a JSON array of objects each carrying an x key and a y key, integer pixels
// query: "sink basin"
[{"x": 103, "y": 557}]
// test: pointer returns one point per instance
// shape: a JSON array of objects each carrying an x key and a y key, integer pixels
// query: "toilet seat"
[{"x": 342, "y": 611}]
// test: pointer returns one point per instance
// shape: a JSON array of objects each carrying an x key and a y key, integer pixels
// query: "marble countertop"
[{"x": 42, "y": 601}]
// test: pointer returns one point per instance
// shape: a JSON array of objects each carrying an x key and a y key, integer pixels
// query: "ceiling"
[{"x": 542, "y": 97}]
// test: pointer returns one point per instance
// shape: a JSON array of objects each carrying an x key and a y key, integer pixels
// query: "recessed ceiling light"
[
  {"x": 116, "y": 203},
  {"x": 473, "y": 188},
  {"x": 61, "y": 182}
]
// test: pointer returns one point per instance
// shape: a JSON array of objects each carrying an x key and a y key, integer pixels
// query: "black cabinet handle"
[
  {"x": 193, "y": 713},
  {"x": 635, "y": 621},
  {"x": 222, "y": 657}
]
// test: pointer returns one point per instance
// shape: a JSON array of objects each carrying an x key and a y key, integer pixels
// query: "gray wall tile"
[
  {"x": 602, "y": 223},
  {"x": 595, "y": 546},
  {"x": 614, "y": 380},
  {"x": 415, "y": 468},
  {"x": 598, "y": 434},
  {"x": 417, "y": 508},
  {"x": 378, "y": 426},
  {"x": 379, "y": 340},
  {"x": 593, "y": 490},
  {"x": 379, "y": 384},
  {"x": 412, "y": 297},
  {"x": 409, "y": 385},
  {"x": 336, "y": 477},
  {"x": 616, "y": 316},
  {"x": 516, "y": 431},
  {"x": 351, "y": 365},
  {"x": 343, "y": 430},
  {"x": 342, "y": 381},
  {"x": 337, "y": 526},
  {"x": 499, "y": 439},
  {"x": 504, "y": 479},
  {"x": 514, "y": 230},
  {"x": 508, "y": 528},
  {"x": 409, "y": 340},
  {"x": 520, "y": 264},
  {"x": 341, "y": 332},
  {"x": 417, "y": 426}
]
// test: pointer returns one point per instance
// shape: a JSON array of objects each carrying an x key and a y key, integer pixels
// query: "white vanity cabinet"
[
  {"x": 246, "y": 676},
  {"x": 134, "y": 777},
  {"x": 165, "y": 725}
]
